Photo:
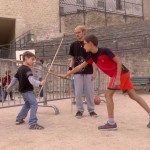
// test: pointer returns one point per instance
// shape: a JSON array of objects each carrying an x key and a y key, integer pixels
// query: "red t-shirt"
[
  {"x": 103, "y": 59},
  {"x": 6, "y": 80}
]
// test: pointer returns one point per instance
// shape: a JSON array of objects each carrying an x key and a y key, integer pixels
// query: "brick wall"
[
  {"x": 133, "y": 45},
  {"x": 137, "y": 61},
  {"x": 146, "y": 4},
  {"x": 40, "y": 16},
  {"x": 94, "y": 19}
]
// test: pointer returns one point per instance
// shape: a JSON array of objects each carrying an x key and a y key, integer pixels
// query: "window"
[
  {"x": 80, "y": 1},
  {"x": 61, "y": 10},
  {"x": 118, "y": 5},
  {"x": 61, "y": 1},
  {"x": 101, "y": 3},
  {"x": 80, "y": 10}
]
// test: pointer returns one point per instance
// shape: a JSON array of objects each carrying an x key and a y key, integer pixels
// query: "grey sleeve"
[
  {"x": 12, "y": 83},
  {"x": 40, "y": 72},
  {"x": 33, "y": 81}
]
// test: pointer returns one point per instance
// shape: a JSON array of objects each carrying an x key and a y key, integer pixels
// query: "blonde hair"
[{"x": 81, "y": 27}]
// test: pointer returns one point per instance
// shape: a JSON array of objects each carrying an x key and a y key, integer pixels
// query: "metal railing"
[
  {"x": 8, "y": 50},
  {"x": 117, "y": 43},
  {"x": 55, "y": 88},
  {"x": 123, "y": 7},
  {"x": 22, "y": 41}
]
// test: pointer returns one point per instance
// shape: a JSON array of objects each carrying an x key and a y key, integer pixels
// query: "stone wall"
[
  {"x": 42, "y": 17},
  {"x": 146, "y": 7},
  {"x": 95, "y": 19},
  {"x": 137, "y": 61}
]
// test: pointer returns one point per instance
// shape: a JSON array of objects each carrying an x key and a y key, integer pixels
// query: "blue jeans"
[
  {"x": 30, "y": 103},
  {"x": 41, "y": 94}
]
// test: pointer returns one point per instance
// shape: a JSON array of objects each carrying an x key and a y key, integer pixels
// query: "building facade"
[
  {"x": 47, "y": 18},
  {"x": 20, "y": 16},
  {"x": 95, "y": 13}
]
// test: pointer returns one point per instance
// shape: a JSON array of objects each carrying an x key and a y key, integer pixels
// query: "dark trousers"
[
  {"x": 10, "y": 93},
  {"x": 41, "y": 93}
]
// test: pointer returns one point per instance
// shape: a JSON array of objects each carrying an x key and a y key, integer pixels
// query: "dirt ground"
[{"x": 65, "y": 132}]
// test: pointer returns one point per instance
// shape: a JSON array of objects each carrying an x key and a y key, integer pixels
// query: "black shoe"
[
  {"x": 18, "y": 122},
  {"x": 148, "y": 125},
  {"x": 79, "y": 115},
  {"x": 93, "y": 114},
  {"x": 36, "y": 127}
]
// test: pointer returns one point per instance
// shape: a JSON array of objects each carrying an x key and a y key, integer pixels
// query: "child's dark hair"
[
  {"x": 27, "y": 54},
  {"x": 42, "y": 61},
  {"x": 8, "y": 72},
  {"x": 91, "y": 38}
]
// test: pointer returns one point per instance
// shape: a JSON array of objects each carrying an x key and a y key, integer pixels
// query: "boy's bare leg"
[
  {"x": 110, "y": 125},
  {"x": 110, "y": 104},
  {"x": 133, "y": 95}
]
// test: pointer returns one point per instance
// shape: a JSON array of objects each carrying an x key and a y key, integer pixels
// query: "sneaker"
[
  {"x": 108, "y": 126},
  {"x": 79, "y": 115},
  {"x": 36, "y": 127},
  {"x": 18, "y": 122},
  {"x": 93, "y": 114},
  {"x": 148, "y": 125}
]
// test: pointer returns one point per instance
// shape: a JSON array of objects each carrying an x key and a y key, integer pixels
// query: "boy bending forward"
[{"x": 111, "y": 65}]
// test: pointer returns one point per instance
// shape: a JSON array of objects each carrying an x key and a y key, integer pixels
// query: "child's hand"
[
  {"x": 117, "y": 84},
  {"x": 69, "y": 75},
  {"x": 43, "y": 82},
  {"x": 8, "y": 90},
  {"x": 93, "y": 77},
  {"x": 64, "y": 76}
]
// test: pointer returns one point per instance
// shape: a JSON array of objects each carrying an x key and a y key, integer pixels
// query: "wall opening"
[{"x": 7, "y": 34}]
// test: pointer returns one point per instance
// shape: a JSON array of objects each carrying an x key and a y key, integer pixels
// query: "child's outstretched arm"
[
  {"x": 12, "y": 83},
  {"x": 117, "y": 60},
  {"x": 76, "y": 69},
  {"x": 35, "y": 82}
]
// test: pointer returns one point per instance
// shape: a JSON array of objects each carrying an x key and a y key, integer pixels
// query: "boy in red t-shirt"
[
  {"x": 111, "y": 65},
  {"x": 6, "y": 82}
]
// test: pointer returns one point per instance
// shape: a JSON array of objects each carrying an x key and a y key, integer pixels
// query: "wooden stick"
[
  {"x": 52, "y": 62},
  {"x": 54, "y": 74}
]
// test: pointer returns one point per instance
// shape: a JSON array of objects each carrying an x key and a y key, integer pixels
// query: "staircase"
[
  {"x": 119, "y": 38},
  {"x": 20, "y": 43},
  {"x": 131, "y": 42}
]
